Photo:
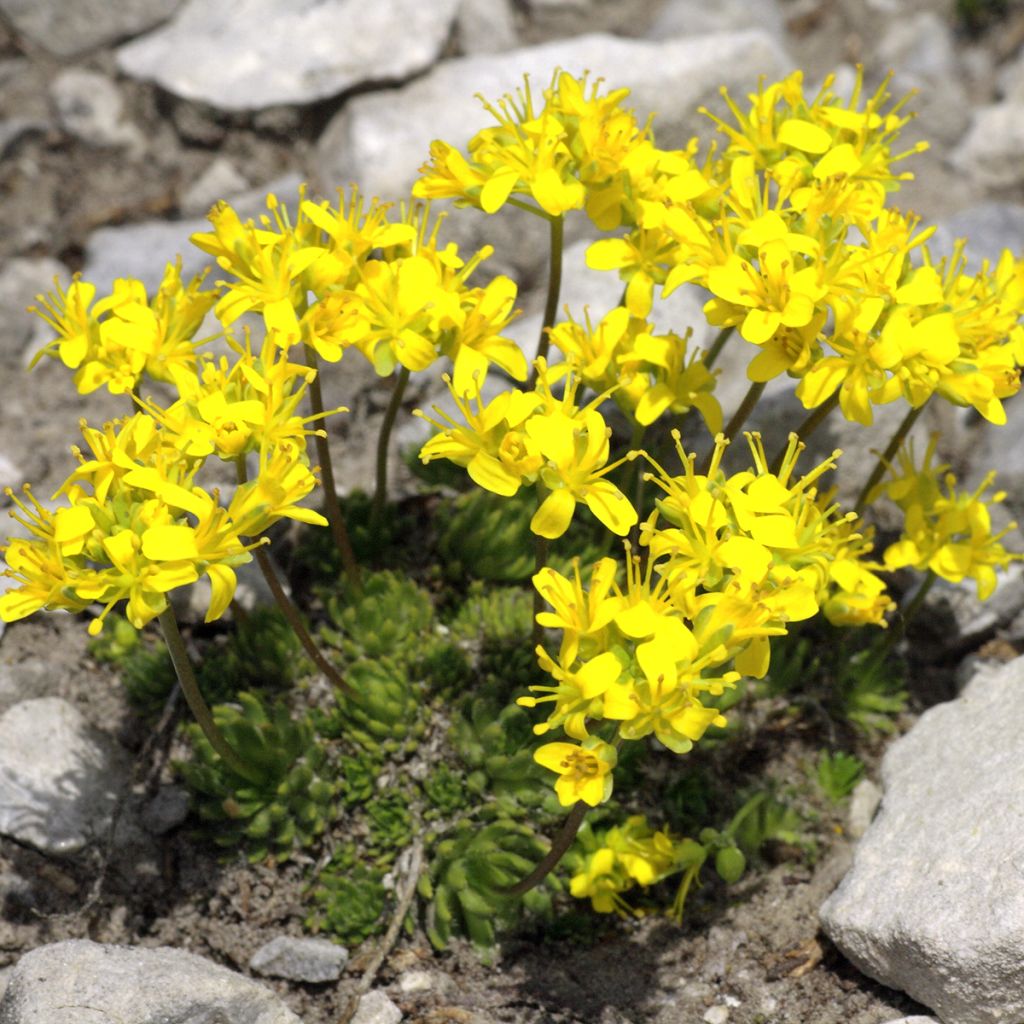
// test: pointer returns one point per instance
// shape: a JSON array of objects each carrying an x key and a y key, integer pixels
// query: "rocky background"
[{"x": 122, "y": 122}]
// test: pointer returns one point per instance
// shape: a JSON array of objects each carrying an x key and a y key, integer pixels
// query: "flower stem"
[
  {"x": 331, "y": 505},
  {"x": 810, "y": 424},
  {"x": 636, "y": 468},
  {"x": 739, "y": 417},
  {"x": 899, "y": 628},
  {"x": 886, "y": 457},
  {"x": 559, "y": 847},
  {"x": 554, "y": 288},
  {"x": 380, "y": 495},
  {"x": 190, "y": 688},
  {"x": 541, "y": 548},
  {"x": 716, "y": 347},
  {"x": 287, "y": 606}
]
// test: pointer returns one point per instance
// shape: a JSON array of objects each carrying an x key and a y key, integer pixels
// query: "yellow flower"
[{"x": 584, "y": 770}]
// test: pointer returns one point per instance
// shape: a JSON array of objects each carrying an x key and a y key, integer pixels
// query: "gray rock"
[
  {"x": 166, "y": 811},
  {"x": 963, "y": 620},
  {"x": 917, "y": 1018},
  {"x": 696, "y": 17},
  {"x": 24, "y": 680},
  {"x": 90, "y": 107},
  {"x": 486, "y": 26},
  {"x": 992, "y": 152},
  {"x": 13, "y": 129},
  {"x": 20, "y": 281},
  {"x": 380, "y": 140},
  {"x": 310, "y": 960},
  {"x": 989, "y": 228},
  {"x": 218, "y": 181},
  {"x": 68, "y": 29},
  {"x": 11, "y": 475},
  {"x": 59, "y": 779},
  {"x": 144, "y": 249},
  {"x": 245, "y": 56},
  {"x": 57, "y": 984},
  {"x": 374, "y": 1008},
  {"x": 934, "y": 903},
  {"x": 864, "y": 802},
  {"x": 920, "y": 47},
  {"x": 416, "y": 981}
]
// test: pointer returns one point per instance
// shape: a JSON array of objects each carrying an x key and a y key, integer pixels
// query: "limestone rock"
[
  {"x": 989, "y": 228},
  {"x": 58, "y": 778},
  {"x": 144, "y": 249},
  {"x": 934, "y": 902},
  {"x": 20, "y": 281},
  {"x": 259, "y": 53},
  {"x": 220, "y": 179},
  {"x": 90, "y": 107},
  {"x": 300, "y": 959},
  {"x": 133, "y": 986},
  {"x": 375, "y": 1008},
  {"x": 381, "y": 139},
  {"x": 992, "y": 151},
  {"x": 67, "y": 29},
  {"x": 486, "y": 26},
  {"x": 696, "y": 17}
]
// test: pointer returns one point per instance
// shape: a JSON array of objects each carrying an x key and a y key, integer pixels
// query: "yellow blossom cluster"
[
  {"x": 541, "y": 438},
  {"x": 730, "y": 561},
  {"x": 946, "y": 531}
]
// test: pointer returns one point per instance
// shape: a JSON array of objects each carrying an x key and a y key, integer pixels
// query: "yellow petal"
[
  {"x": 803, "y": 135},
  {"x": 169, "y": 543},
  {"x": 552, "y": 519}
]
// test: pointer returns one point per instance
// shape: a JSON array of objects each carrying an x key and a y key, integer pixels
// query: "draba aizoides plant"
[{"x": 691, "y": 565}]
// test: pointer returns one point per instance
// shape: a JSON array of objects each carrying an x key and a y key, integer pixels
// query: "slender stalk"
[
  {"x": 899, "y": 628},
  {"x": 190, "y": 688},
  {"x": 811, "y": 423},
  {"x": 335, "y": 519},
  {"x": 636, "y": 468},
  {"x": 559, "y": 847},
  {"x": 541, "y": 546},
  {"x": 739, "y": 417},
  {"x": 886, "y": 457},
  {"x": 287, "y": 606},
  {"x": 557, "y": 225},
  {"x": 380, "y": 495},
  {"x": 716, "y": 346}
]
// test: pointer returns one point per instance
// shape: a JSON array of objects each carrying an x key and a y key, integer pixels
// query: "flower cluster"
[
  {"x": 540, "y": 438},
  {"x": 730, "y": 561},
  {"x": 946, "y": 531}
]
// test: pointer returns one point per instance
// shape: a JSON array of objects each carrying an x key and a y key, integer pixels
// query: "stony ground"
[{"x": 112, "y": 146}]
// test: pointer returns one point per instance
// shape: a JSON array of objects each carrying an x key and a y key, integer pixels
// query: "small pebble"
[{"x": 376, "y": 1008}]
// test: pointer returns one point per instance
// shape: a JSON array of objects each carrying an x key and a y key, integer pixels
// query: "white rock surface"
[
  {"x": 59, "y": 779},
  {"x": 921, "y": 50},
  {"x": 864, "y": 802},
  {"x": 81, "y": 982},
  {"x": 90, "y": 107},
  {"x": 380, "y": 140},
  {"x": 218, "y": 181},
  {"x": 20, "y": 281},
  {"x": 24, "y": 680},
  {"x": 992, "y": 151},
  {"x": 300, "y": 959},
  {"x": 989, "y": 228},
  {"x": 934, "y": 903},
  {"x": 144, "y": 249},
  {"x": 375, "y": 1008},
  {"x": 66, "y": 29},
  {"x": 252, "y": 54},
  {"x": 12, "y": 129},
  {"x": 697, "y": 17},
  {"x": 486, "y": 26}
]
